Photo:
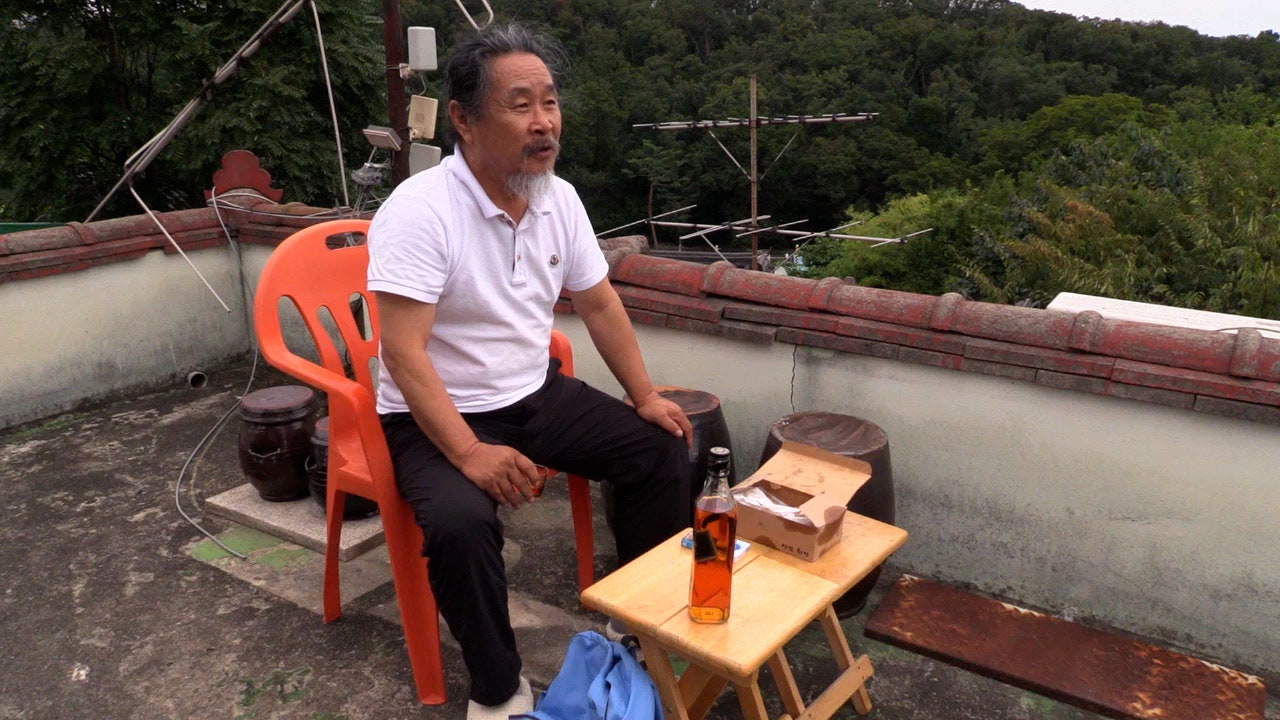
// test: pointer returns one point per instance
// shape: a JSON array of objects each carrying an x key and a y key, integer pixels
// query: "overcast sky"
[{"x": 1219, "y": 17}]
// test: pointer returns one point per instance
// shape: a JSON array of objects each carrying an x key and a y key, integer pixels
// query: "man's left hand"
[{"x": 666, "y": 415}]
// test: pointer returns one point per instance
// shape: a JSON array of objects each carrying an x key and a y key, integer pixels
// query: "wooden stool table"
[{"x": 775, "y": 596}]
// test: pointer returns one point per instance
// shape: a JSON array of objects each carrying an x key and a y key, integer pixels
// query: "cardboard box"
[{"x": 816, "y": 482}]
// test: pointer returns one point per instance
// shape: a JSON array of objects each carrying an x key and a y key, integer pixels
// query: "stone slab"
[
  {"x": 298, "y": 521},
  {"x": 288, "y": 570},
  {"x": 542, "y": 632}
]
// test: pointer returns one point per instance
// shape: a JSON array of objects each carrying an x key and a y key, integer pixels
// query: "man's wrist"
[
  {"x": 641, "y": 399},
  {"x": 459, "y": 456}
]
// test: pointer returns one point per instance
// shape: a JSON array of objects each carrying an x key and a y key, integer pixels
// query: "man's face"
[{"x": 517, "y": 136}]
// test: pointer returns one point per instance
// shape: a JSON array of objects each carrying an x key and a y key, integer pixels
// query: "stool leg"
[
  {"x": 702, "y": 688},
  {"x": 844, "y": 658},
  {"x": 835, "y": 638},
  {"x": 787, "y": 688},
  {"x": 750, "y": 699},
  {"x": 861, "y": 700},
  {"x": 664, "y": 677}
]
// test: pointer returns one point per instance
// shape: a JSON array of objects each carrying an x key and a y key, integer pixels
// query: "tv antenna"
[{"x": 754, "y": 122}]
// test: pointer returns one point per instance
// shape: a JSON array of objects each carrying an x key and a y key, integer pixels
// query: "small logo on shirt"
[{"x": 555, "y": 260}]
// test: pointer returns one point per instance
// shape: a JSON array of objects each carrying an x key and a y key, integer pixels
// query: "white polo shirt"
[{"x": 439, "y": 239}]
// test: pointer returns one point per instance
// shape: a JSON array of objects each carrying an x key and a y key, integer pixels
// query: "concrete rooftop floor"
[{"x": 116, "y": 607}]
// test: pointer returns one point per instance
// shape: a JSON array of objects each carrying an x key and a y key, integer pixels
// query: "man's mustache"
[{"x": 537, "y": 146}]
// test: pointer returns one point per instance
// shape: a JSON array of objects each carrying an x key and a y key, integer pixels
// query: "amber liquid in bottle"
[{"x": 715, "y": 527}]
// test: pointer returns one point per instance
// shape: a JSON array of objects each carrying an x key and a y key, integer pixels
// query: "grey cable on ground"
[{"x": 177, "y": 489}]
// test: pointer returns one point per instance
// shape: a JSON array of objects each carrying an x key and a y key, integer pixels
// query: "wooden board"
[{"x": 1098, "y": 671}]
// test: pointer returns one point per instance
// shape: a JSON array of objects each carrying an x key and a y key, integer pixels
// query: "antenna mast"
[{"x": 754, "y": 122}]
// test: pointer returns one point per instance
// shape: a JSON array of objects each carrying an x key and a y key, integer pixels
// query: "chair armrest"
[
  {"x": 352, "y": 407},
  {"x": 279, "y": 356}
]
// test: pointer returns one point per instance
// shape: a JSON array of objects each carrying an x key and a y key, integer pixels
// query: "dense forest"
[{"x": 1047, "y": 153}]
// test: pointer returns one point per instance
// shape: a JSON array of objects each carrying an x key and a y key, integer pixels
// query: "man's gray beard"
[{"x": 530, "y": 185}]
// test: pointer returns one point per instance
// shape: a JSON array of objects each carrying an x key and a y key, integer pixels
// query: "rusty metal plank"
[{"x": 1098, "y": 671}]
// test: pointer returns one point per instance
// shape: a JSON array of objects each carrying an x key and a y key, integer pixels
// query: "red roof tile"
[{"x": 1236, "y": 375}]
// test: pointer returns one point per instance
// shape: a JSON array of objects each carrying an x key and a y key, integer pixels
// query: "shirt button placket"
[{"x": 517, "y": 249}]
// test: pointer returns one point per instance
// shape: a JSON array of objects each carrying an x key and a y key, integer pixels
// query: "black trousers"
[{"x": 567, "y": 425}]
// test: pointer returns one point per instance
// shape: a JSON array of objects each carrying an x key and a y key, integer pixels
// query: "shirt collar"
[{"x": 457, "y": 165}]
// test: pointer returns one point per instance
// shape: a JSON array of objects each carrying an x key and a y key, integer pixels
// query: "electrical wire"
[
  {"x": 177, "y": 489},
  {"x": 328, "y": 212},
  {"x": 795, "y": 350},
  {"x": 214, "y": 202},
  {"x": 331, "y": 212},
  {"x": 246, "y": 297},
  {"x": 257, "y": 196}
]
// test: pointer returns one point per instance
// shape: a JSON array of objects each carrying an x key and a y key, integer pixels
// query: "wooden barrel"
[
  {"x": 855, "y": 438},
  {"x": 709, "y": 430},
  {"x": 275, "y": 440},
  {"x": 355, "y": 506}
]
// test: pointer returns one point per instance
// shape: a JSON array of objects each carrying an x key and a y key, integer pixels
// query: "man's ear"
[{"x": 461, "y": 124}]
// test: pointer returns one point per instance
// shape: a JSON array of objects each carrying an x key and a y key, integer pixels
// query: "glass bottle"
[{"x": 715, "y": 528}]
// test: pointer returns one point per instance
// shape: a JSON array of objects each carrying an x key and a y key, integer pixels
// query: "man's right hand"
[{"x": 501, "y": 471}]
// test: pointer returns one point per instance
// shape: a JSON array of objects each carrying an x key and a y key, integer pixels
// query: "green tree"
[{"x": 86, "y": 84}]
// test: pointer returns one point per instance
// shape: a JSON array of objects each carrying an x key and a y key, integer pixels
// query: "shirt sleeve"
[
  {"x": 587, "y": 265},
  {"x": 408, "y": 251}
]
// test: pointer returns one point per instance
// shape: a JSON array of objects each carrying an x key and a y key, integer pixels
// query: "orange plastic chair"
[{"x": 321, "y": 274}]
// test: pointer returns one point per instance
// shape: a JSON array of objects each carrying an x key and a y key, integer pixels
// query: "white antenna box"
[
  {"x": 422, "y": 48},
  {"x": 422, "y": 117},
  {"x": 422, "y": 157}
]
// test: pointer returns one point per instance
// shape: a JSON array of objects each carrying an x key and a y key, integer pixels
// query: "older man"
[{"x": 467, "y": 260}]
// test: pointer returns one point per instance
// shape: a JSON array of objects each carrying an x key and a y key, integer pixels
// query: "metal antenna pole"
[
  {"x": 754, "y": 122},
  {"x": 755, "y": 182},
  {"x": 397, "y": 112}
]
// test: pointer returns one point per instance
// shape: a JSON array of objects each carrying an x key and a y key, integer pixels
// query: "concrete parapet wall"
[
  {"x": 120, "y": 327},
  {"x": 1118, "y": 470},
  {"x": 1152, "y": 519}
]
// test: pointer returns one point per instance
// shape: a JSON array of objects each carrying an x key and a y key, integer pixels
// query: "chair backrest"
[
  {"x": 321, "y": 270},
  {"x": 562, "y": 351}
]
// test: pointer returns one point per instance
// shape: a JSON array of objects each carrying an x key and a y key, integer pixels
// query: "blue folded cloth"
[{"x": 598, "y": 680}]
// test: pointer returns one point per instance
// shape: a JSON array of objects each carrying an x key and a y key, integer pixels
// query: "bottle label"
[{"x": 704, "y": 546}]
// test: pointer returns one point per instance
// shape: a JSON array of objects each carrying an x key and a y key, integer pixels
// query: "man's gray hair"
[{"x": 468, "y": 74}]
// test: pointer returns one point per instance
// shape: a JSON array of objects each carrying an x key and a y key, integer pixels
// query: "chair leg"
[
  {"x": 583, "y": 534},
  {"x": 334, "y": 504},
  {"x": 418, "y": 614}
]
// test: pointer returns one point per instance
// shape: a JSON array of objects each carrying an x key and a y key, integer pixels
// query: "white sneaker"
[
  {"x": 615, "y": 631},
  {"x": 518, "y": 704}
]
